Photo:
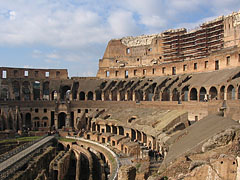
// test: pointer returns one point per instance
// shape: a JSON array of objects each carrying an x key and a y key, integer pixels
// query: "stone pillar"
[
  {"x": 110, "y": 96},
  {"x": 56, "y": 120},
  {"x": 118, "y": 96},
  {"x": 126, "y": 96},
  {"x": 134, "y": 96},
  {"x": 78, "y": 166},
  {"x": 94, "y": 96},
  {"x": 225, "y": 94},
  {"x": 103, "y": 96},
  {"x": 144, "y": 96},
  {"x": 67, "y": 122},
  {"x": 41, "y": 91}
]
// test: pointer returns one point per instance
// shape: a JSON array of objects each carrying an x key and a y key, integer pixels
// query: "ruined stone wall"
[{"x": 173, "y": 51}]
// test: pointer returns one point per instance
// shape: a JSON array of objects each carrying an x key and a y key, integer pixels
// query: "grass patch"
[
  {"x": 66, "y": 139},
  {"x": 21, "y": 139}
]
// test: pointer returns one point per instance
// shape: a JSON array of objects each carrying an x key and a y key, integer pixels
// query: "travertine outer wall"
[{"x": 175, "y": 51}]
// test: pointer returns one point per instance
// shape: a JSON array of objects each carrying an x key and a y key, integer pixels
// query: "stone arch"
[
  {"x": 93, "y": 126},
  {"x": 184, "y": 93},
  {"x": 166, "y": 94},
  {"x": 138, "y": 95},
  {"x": 36, "y": 121},
  {"x": 230, "y": 92},
  {"x": 54, "y": 95},
  {"x": 45, "y": 121},
  {"x": 4, "y": 93},
  {"x": 46, "y": 91},
  {"x": 213, "y": 92},
  {"x": 36, "y": 90},
  {"x": 26, "y": 90},
  {"x": 75, "y": 90},
  {"x": 222, "y": 91},
  {"x": 90, "y": 95},
  {"x": 193, "y": 94},
  {"x": 28, "y": 120},
  {"x": 129, "y": 95},
  {"x": 98, "y": 95},
  {"x": 175, "y": 95},
  {"x": 139, "y": 136},
  {"x": 114, "y": 95},
  {"x": 16, "y": 90},
  {"x": 61, "y": 120},
  {"x": 108, "y": 129},
  {"x": 121, "y": 130},
  {"x": 114, "y": 129},
  {"x": 82, "y": 96},
  {"x": 63, "y": 92},
  {"x": 133, "y": 134},
  {"x": 202, "y": 94}
]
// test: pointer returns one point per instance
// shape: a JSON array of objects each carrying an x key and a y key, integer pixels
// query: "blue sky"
[{"x": 73, "y": 34}]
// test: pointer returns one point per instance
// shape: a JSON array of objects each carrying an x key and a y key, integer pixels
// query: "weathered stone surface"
[
  {"x": 219, "y": 140},
  {"x": 127, "y": 172}
]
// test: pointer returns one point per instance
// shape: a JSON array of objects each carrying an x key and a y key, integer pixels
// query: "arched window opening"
[
  {"x": 222, "y": 92},
  {"x": 98, "y": 95},
  {"x": 61, "y": 120},
  {"x": 175, "y": 95},
  {"x": 230, "y": 92},
  {"x": 36, "y": 90},
  {"x": 46, "y": 91},
  {"x": 166, "y": 95},
  {"x": 193, "y": 94},
  {"x": 184, "y": 93},
  {"x": 213, "y": 93},
  {"x": 90, "y": 95},
  {"x": 63, "y": 92},
  {"x": 26, "y": 90},
  {"x": 16, "y": 90},
  {"x": 82, "y": 96},
  {"x": 203, "y": 94}
]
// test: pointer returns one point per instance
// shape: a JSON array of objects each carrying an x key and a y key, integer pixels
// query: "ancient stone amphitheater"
[{"x": 162, "y": 106}]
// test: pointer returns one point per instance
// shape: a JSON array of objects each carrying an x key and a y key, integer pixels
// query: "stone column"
[
  {"x": 67, "y": 122},
  {"x": 56, "y": 120},
  {"x": 94, "y": 96},
  {"x": 126, "y": 96},
  {"x": 102, "y": 96},
  {"x": 134, "y": 96},
  {"x": 118, "y": 96}
]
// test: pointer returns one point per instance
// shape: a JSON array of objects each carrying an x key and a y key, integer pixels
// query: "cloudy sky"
[{"x": 73, "y": 34}]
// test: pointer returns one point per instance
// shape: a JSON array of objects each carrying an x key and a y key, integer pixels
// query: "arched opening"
[
  {"x": 133, "y": 133},
  {"x": 36, "y": 121},
  {"x": 114, "y": 95},
  {"x": 82, "y": 96},
  {"x": 230, "y": 92},
  {"x": 122, "y": 95},
  {"x": 54, "y": 95},
  {"x": 63, "y": 92},
  {"x": 98, "y": 95},
  {"x": 45, "y": 121},
  {"x": 26, "y": 90},
  {"x": 108, "y": 129},
  {"x": 222, "y": 92},
  {"x": 36, "y": 90},
  {"x": 90, "y": 95},
  {"x": 121, "y": 130},
  {"x": 93, "y": 126},
  {"x": 149, "y": 96},
  {"x": 144, "y": 138},
  {"x": 203, "y": 94},
  {"x": 166, "y": 95},
  {"x": 16, "y": 90},
  {"x": 193, "y": 94},
  {"x": 139, "y": 137},
  {"x": 114, "y": 129},
  {"x": 61, "y": 120},
  {"x": 84, "y": 167},
  {"x": 46, "y": 90},
  {"x": 175, "y": 95},
  {"x": 138, "y": 95},
  {"x": 4, "y": 94},
  {"x": 184, "y": 93},
  {"x": 129, "y": 95},
  {"x": 238, "y": 92},
  {"x": 28, "y": 121},
  {"x": 75, "y": 90},
  {"x": 213, "y": 93}
]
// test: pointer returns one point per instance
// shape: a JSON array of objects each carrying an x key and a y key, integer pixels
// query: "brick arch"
[
  {"x": 231, "y": 91},
  {"x": 202, "y": 94},
  {"x": 193, "y": 94},
  {"x": 213, "y": 92}
]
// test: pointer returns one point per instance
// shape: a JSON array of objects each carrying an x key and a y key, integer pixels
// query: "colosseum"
[{"x": 162, "y": 106}]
